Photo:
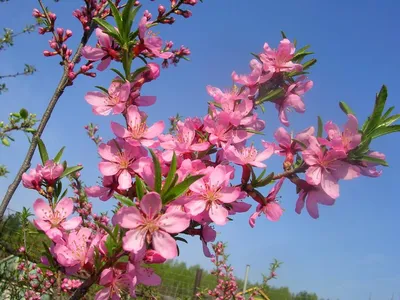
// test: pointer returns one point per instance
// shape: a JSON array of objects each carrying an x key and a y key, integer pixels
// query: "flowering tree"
[{"x": 168, "y": 185}]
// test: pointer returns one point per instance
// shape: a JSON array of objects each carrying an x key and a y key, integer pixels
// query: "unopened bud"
[
  {"x": 136, "y": 3},
  {"x": 48, "y": 53},
  {"x": 90, "y": 74},
  {"x": 187, "y": 14},
  {"x": 68, "y": 33},
  {"x": 52, "y": 16},
  {"x": 161, "y": 9},
  {"x": 42, "y": 30},
  {"x": 60, "y": 31},
  {"x": 36, "y": 13},
  {"x": 84, "y": 69}
]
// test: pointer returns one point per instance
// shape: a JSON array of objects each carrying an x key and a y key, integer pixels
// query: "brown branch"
[
  {"x": 46, "y": 116},
  {"x": 289, "y": 173},
  {"x": 14, "y": 75}
]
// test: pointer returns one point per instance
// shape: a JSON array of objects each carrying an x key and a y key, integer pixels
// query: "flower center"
[{"x": 138, "y": 131}]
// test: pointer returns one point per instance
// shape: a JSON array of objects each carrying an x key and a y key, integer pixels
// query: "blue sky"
[{"x": 351, "y": 252}]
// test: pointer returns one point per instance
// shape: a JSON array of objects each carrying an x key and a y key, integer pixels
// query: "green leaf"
[
  {"x": 390, "y": 120},
  {"x": 255, "y": 55},
  {"x": 300, "y": 56},
  {"x": 272, "y": 95},
  {"x": 138, "y": 71},
  {"x": 250, "y": 130},
  {"x": 59, "y": 155},
  {"x": 266, "y": 180},
  {"x": 375, "y": 160},
  {"x": 23, "y": 113},
  {"x": 345, "y": 108},
  {"x": 157, "y": 172},
  {"x": 109, "y": 29},
  {"x": 283, "y": 35},
  {"x": 102, "y": 89},
  {"x": 309, "y": 63},
  {"x": 362, "y": 148},
  {"x": 302, "y": 50},
  {"x": 64, "y": 193},
  {"x": 57, "y": 190},
  {"x": 118, "y": 73},
  {"x": 117, "y": 17},
  {"x": 180, "y": 188},
  {"x": 31, "y": 130},
  {"x": 43, "y": 151},
  {"x": 320, "y": 127},
  {"x": 128, "y": 16},
  {"x": 380, "y": 102},
  {"x": 387, "y": 113},
  {"x": 261, "y": 175},
  {"x": 139, "y": 188},
  {"x": 124, "y": 200},
  {"x": 70, "y": 170},
  {"x": 170, "y": 176},
  {"x": 384, "y": 130}
]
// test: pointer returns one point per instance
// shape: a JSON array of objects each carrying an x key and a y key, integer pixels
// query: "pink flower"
[
  {"x": 368, "y": 168},
  {"x": 149, "y": 226},
  {"x": 76, "y": 252},
  {"x": 144, "y": 275},
  {"x": 122, "y": 160},
  {"x": 280, "y": 60},
  {"x": 242, "y": 155},
  {"x": 326, "y": 168},
  {"x": 32, "y": 179},
  {"x": 105, "y": 51},
  {"x": 138, "y": 133},
  {"x": 289, "y": 147},
  {"x": 105, "y": 192},
  {"x": 313, "y": 196},
  {"x": 255, "y": 78},
  {"x": 272, "y": 210},
  {"x": 346, "y": 140},
  {"x": 51, "y": 171},
  {"x": 208, "y": 235},
  {"x": 114, "y": 102},
  {"x": 151, "y": 43},
  {"x": 116, "y": 282},
  {"x": 211, "y": 193},
  {"x": 230, "y": 96},
  {"x": 292, "y": 99},
  {"x": 53, "y": 222}
]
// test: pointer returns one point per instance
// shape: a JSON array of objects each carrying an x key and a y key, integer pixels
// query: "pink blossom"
[
  {"x": 346, "y": 140},
  {"x": 76, "y": 252},
  {"x": 32, "y": 179},
  {"x": 242, "y": 155},
  {"x": 279, "y": 60},
  {"x": 116, "y": 282},
  {"x": 53, "y": 222},
  {"x": 292, "y": 99},
  {"x": 369, "y": 168},
  {"x": 255, "y": 78},
  {"x": 313, "y": 196},
  {"x": 114, "y": 102},
  {"x": 289, "y": 147},
  {"x": 105, "y": 51},
  {"x": 51, "y": 171},
  {"x": 144, "y": 275},
  {"x": 105, "y": 192},
  {"x": 271, "y": 208},
  {"x": 151, "y": 43},
  {"x": 122, "y": 160},
  {"x": 138, "y": 133},
  {"x": 149, "y": 226},
  {"x": 326, "y": 168},
  {"x": 229, "y": 96},
  {"x": 211, "y": 193},
  {"x": 208, "y": 235}
]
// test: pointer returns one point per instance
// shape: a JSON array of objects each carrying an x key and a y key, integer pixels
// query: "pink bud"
[
  {"x": 60, "y": 31},
  {"x": 84, "y": 69},
  {"x": 52, "y": 16},
  {"x": 187, "y": 14},
  {"x": 161, "y": 9},
  {"x": 136, "y": 3},
  {"x": 153, "y": 71},
  {"x": 48, "y": 53},
  {"x": 36, "y": 13},
  {"x": 42, "y": 30},
  {"x": 68, "y": 33}
]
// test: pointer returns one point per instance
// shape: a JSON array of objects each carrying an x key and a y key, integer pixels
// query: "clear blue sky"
[{"x": 352, "y": 250}]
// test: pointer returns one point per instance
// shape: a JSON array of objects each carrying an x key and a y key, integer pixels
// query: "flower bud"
[
  {"x": 187, "y": 14},
  {"x": 153, "y": 72},
  {"x": 60, "y": 31},
  {"x": 52, "y": 16},
  {"x": 42, "y": 30},
  {"x": 36, "y": 13},
  {"x": 161, "y": 9},
  {"x": 68, "y": 33}
]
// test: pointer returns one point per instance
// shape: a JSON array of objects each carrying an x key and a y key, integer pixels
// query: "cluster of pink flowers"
[{"x": 182, "y": 183}]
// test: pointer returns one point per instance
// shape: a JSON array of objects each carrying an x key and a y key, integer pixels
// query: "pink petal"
[
  {"x": 228, "y": 194},
  {"x": 106, "y": 277},
  {"x": 155, "y": 130},
  {"x": 196, "y": 207},
  {"x": 104, "y": 64},
  {"x": 42, "y": 209},
  {"x": 147, "y": 277},
  {"x": 283, "y": 137},
  {"x": 72, "y": 223},
  {"x": 134, "y": 240},
  {"x": 103, "y": 294},
  {"x": 274, "y": 211},
  {"x": 124, "y": 92},
  {"x": 134, "y": 117},
  {"x": 119, "y": 130},
  {"x": 104, "y": 39},
  {"x": 65, "y": 207},
  {"x": 96, "y": 98},
  {"x": 124, "y": 180},
  {"x": 42, "y": 225},
  {"x": 54, "y": 234},
  {"x": 300, "y": 201},
  {"x": 218, "y": 214},
  {"x": 330, "y": 185},
  {"x": 352, "y": 125},
  {"x": 145, "y": 100},
  {"x": 164, "y": 244},
  {"x": 107, "y": 153},
  {"x": 128, "y": 217},
  {"x": 313, "y": 175},
  {"x": 151, "y": 204},
  {"x": 92, "y": 53},
  {"x": 174, "y": 222},
  {"x": 312, "y": 206},
  {"x": 108, "y": 168},
  {"x": 253, "y": 218}
]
